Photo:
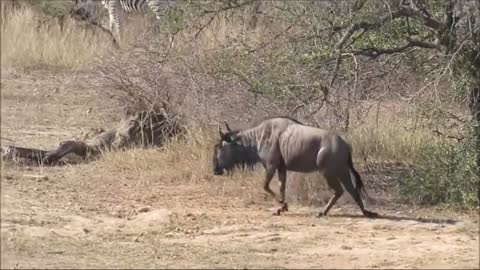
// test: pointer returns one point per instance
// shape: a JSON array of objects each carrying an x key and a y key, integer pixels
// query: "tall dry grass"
[
  {"x": 190, "y": 161},
  {"x": 390, "y": 140},
  {"x": 30, "y": 40},
  {"x": 180, "y": 162},
  {"x": 187, "y": 159},
  {"x": 29, "y": 43}
]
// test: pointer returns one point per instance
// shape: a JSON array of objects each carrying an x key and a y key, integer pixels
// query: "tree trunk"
[
  {"x": 473, "y": 73},
  {"x": 474, "y": 96},
  {"x": 14, "y": 152}
]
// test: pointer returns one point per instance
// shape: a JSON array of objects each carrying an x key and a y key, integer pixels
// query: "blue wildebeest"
[{"x": 283, "y": 144}]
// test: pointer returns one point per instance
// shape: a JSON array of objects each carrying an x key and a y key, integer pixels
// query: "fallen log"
[
  {"x": 14, "y": 153},
  {"x": 140, "y": 129}
]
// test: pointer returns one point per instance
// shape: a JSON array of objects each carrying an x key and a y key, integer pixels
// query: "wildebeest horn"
[
  {"x": 226, "y": 125},
  {"x": 220, "y": 131}
]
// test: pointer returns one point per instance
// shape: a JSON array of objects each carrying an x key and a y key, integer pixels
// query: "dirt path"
[
  {"x": 94, "y": 216},
  {"x": 177, "y": 232},
  {"x": 65, "y": 222}
]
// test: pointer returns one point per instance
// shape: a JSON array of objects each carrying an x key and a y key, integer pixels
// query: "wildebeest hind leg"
[
  {"x": 347, "y": 182},
  {"x": 334, "y": 183}
]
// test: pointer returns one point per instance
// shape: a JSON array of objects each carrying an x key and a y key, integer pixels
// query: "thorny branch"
[
  {"x": 414, "y": 11},
  {"x": 439, "y": 133},
  {"x": 231, "y": 5},
  {"x": 375, "y": 52}
]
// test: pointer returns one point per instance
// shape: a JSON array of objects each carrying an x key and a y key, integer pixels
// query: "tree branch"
[
  {"x": 401, "y": 12},
  {"x": 228, "y": 7},
  {"x": 422, "y": 16},
  {"x": 375, "y": 52},
  {"x": 203, "y": 27}
]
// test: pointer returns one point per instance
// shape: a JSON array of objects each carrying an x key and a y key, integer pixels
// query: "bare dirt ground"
[{"x": 89, "y": 216}]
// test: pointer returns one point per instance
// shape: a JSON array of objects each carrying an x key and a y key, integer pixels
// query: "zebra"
[{"x": 116, "y": 7}]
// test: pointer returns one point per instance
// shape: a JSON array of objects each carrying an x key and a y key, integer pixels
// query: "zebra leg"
[
  {"x": 159, "y": 7},
  {"x": 114, "y": 12}
]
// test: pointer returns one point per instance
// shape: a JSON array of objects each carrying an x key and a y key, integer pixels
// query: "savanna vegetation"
[{"x": 399, "y": 79}]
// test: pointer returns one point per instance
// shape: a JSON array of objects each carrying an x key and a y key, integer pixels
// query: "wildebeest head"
[{"x": 229, "y": 153}]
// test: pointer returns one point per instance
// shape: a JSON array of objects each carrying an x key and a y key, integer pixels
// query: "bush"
[{"x": 445, "y": 174}]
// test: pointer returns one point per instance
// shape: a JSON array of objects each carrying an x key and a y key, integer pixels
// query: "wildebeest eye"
[
  {"x": 235, "y": 139},
  {"x": 227, "y": 139}
]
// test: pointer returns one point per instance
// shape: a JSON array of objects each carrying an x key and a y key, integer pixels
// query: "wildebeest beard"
[{"x": 233, "y": 155}]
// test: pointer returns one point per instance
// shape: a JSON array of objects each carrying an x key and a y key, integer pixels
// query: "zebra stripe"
[{"x": 115, "y": 7}]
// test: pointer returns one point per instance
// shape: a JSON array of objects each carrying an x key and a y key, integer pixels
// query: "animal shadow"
[{"x": 401, "y": 218}]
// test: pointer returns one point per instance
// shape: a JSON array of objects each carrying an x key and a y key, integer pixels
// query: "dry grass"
[
  {"x": 185, "y": 160},
  {"x": 180, "y": 161},
  {"x": 217, "y": 221},
  {"x": 391, "y": 140},
  {"x": 393, "y": 134},
  {"x": 189, "y": 161},
  {"x": 31, "y": 40},
  {"x": 223, "y": 30}
]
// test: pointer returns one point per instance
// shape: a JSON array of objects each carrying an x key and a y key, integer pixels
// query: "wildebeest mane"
[
  {"x": 284, "y": 117},
  {"x": 287, "y": 117},
  {"x": 248, "y": 156},
  {"x": 227, "y": 137}
]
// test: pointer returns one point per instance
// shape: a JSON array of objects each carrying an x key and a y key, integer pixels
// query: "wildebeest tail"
[{"x": 358, "y": 180}]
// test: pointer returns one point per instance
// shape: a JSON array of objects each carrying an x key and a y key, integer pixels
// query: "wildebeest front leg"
[
  {"x": 269, "y": 173},
  {"x": 282, "y": 177}
]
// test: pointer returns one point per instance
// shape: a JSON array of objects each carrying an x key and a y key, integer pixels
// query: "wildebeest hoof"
[
  {"x": 277, "y": 212},
  {"x": 370, "y": 214},
  {"x": 284, "y": 207},
  {"x": 321, "y": 214}
]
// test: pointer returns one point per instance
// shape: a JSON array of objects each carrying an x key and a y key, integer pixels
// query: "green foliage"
[
  {"x": 393, "y": 34},
  {"x": 445, "y": 174},
  {"x": 467, "y": 67},
  {"x": 175, "y": 22},
  {"x": 268, "y": 72},
  {"x": 323, "y": 54}
]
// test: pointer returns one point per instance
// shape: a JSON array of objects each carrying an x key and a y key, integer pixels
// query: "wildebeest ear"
[{"x": 226, "y": 125}]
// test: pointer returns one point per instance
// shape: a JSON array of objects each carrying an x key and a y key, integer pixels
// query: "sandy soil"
[{"x": 75, "y": 217}]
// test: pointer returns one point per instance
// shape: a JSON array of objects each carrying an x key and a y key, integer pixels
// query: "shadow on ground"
[{"x": 401, "y": 218}]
